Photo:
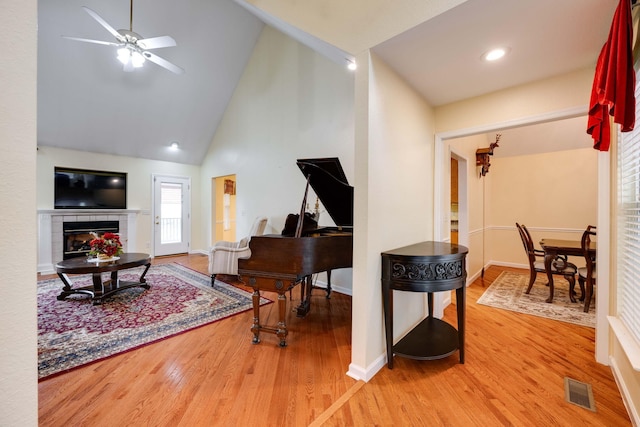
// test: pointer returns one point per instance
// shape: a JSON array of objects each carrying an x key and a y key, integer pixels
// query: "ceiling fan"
[{"x": 133, "y": 50}]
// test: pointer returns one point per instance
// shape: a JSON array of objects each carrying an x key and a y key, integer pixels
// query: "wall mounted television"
[{"x": 89, "y": 189}]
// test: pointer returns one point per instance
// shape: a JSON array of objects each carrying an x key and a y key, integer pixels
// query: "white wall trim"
[
  {"x": 365, "y": 374},
  {"x": 566, "y": 113},
  {"x": 603, "y": 257},
  {"x": 626, "y": 340},
  {"x": 627, "y": 399},
  {"x": 540, "y": 229}
]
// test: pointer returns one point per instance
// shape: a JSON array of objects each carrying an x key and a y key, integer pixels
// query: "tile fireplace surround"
[{"x": 50, "y": 231}]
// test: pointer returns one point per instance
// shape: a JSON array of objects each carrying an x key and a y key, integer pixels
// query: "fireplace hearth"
[{"x": 77, "y": 235}]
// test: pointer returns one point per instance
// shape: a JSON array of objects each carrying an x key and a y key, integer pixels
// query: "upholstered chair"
[{"x": 224, "y": 255}]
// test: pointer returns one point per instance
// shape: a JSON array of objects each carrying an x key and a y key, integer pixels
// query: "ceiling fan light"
[
  {"x": 124, "y": 55},
  {"x": 137, "y": 59}
]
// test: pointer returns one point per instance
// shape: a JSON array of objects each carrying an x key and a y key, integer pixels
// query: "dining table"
[{"x": 554, "y": 247}]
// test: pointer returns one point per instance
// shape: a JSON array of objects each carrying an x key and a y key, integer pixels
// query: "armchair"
[{"x": 223, "y": 255}]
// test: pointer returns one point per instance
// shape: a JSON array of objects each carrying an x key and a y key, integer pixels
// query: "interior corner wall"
[
  {"x": 354, "y": 25},
  {"x": 18, "y": 305},
  {"x": 290, "y": 103},
  {"x": 398, "y": 203},
  {"x": 139, "y": 186}
]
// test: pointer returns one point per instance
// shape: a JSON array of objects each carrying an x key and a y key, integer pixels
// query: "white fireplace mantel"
[{"x": 50, "y": 230}]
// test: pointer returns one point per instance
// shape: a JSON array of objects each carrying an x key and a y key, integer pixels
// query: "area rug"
[
  {"x": 508, "y": 292},
  {"x": 74, "y": 332}
]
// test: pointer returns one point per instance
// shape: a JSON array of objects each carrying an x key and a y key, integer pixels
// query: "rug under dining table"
[
  {"x": 74, "y": 332},
  {"x": 507, "y": 292}
]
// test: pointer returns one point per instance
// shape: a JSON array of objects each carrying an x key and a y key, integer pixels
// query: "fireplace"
[
  {"x": 51, "y": 225},
  {"x": 77, "y": 235}
]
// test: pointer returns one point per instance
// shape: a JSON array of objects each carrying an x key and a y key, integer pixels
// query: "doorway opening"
[
  {"x": 454, "y": 200},
  {"x": 224, "y": 208},
  {"x": 172, "y": 215}
]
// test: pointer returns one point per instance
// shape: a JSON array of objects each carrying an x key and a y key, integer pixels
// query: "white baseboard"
[
  {"x": 624, "y": 392},
  {"x": 508, "y": 264},
  {"x": 365, "y": 374},
  {"x": 46, "y": 269}
]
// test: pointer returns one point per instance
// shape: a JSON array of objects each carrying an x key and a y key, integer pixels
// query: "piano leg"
[
  {"x": 328, "y": 284},
  {"x": 305, "y": 296},
  {"x": 256, "y": 316},
  {"x": 328, "y": 288},
  {"x": 281, "y": 331}
]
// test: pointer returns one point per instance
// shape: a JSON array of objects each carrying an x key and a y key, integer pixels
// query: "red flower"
[{"x": 109, "y": 244}]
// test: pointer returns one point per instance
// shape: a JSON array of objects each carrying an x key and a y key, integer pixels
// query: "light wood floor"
[{"x": 214, "y": 376}]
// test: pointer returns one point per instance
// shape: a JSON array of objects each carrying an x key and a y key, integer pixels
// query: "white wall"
[
  {"x": 554, "y": 194},
  {"x": 139, "y": 186},
  {"x": 18, "y": 308},
  {"x": 394, "y": 186},
  {"x": 535, "y": 99},
  {"x": 355, "y": 25},
  {"x": 290, "y": 103}
]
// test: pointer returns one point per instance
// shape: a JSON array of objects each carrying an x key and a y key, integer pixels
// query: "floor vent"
[{"x": 579, "y": 393}]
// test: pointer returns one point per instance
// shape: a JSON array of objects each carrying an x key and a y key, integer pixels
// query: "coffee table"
[{"x": 101, "y": 289}]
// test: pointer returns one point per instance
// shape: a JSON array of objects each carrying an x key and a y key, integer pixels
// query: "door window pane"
[{"x": 170, "y": 213}]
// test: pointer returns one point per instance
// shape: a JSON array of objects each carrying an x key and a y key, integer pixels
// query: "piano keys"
[{"x": 278, "y": 263}]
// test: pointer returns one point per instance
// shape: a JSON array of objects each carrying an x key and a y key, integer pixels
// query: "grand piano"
[{"x": 280, "y": 262}]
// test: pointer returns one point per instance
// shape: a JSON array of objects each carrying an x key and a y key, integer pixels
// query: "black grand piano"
[{"x": 280, "y": 262}]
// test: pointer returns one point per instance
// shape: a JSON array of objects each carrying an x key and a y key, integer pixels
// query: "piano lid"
[{"x": 330, "y": 184}]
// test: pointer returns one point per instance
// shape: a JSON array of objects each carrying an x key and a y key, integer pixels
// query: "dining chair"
[
  {"x": 587, "y": 274},
  {"x": 560, "y": 266}
]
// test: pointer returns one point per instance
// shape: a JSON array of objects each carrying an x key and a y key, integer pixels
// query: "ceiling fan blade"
[
  {"x": 104, "y": 23},
  {"x": 92, "y": 41},
  {"x": 156, "y": 42},
  {"x": 162, "y": 62}
]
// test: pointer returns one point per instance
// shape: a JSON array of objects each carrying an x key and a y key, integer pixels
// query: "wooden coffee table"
[{"x": 100, "y": 289}]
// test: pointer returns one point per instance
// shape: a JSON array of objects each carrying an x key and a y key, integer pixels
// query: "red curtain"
[{"x": 614, "y": 82}]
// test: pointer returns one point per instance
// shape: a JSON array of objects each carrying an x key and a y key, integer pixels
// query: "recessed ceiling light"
[
  {"x": 174, "y": 145},
  {"x": 495, "y": 54},
  {"x": 351, "y": 65}
]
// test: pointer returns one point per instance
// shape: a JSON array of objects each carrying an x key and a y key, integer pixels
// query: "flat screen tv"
[{"x": 89, "y": 189}]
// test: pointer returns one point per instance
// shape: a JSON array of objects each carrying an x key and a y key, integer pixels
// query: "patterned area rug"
[
  {"x": 508, "y": 292},
  {"x": 74, "y": 332}
]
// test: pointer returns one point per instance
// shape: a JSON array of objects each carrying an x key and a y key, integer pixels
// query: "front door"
[{"x": 171, "y": 215}]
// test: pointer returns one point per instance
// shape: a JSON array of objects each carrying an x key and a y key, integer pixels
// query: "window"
[{"x": 628, "y": 224}]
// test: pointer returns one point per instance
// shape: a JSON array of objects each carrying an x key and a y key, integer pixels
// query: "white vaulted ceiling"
[{"x": 86, "y": 102}]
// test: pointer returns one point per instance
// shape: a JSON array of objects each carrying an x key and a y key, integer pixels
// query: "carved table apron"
[{"x": 425, "y": 267}]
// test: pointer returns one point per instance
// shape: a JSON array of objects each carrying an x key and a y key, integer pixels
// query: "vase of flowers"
[{"x": 105, "y": 247}]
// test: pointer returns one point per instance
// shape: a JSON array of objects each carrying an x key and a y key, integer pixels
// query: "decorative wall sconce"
[{"x": 482, "y": 156}]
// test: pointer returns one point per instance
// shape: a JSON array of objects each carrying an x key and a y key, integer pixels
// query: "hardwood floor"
[{"x": 513, "y": 375}]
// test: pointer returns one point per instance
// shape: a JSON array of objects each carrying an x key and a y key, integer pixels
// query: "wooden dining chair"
[
  {"x": 560, "y": 266},
  {"x": 587, "y": 274}
]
